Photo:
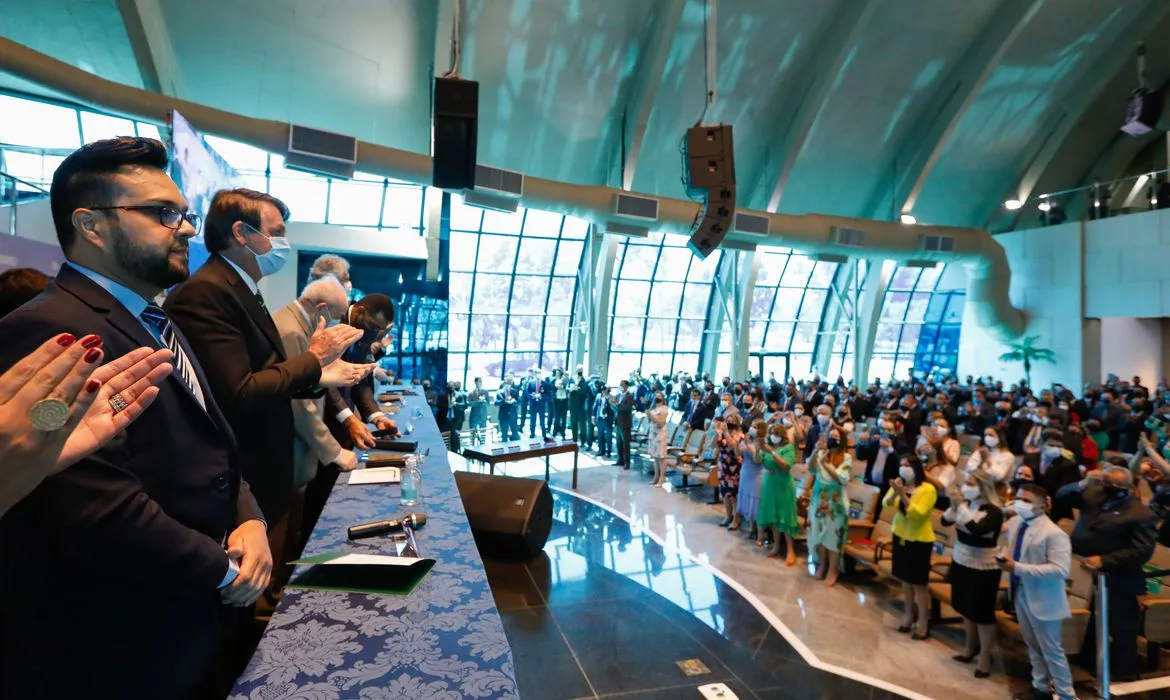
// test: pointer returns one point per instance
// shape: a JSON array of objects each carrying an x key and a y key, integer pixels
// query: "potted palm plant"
[{"x": 1027, "y": 351}]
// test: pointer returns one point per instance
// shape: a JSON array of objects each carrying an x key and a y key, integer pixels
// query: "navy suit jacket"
[{"x": 111, "y": 568}]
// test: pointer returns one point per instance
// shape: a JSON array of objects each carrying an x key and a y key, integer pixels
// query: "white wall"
[
  {"x": 1127, "y": 266},
  {"x": 1132, "y": 347},
  {"x": 34, "y": 220},
  {"x": 1046, "y": 282}
]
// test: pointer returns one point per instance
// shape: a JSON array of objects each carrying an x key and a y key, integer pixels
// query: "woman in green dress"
[
  {"x": 830, "y": 464},
  {"x": 777, "y": 509}
]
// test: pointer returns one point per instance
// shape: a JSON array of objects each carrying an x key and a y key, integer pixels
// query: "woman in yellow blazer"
[{"x": 914, "y": 497}]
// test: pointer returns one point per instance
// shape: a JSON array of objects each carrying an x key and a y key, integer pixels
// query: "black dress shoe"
[
  {"x": 963, "y": 658},
  {"x": 982, "y": 674},
  {"x": 904, "y": 629},
  {"x": 919, "y": 637}
]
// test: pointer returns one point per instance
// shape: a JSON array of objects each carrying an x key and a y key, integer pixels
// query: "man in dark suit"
[
  {"x": 1115, "y": 533},
  {"x": 1053, "y": 467},
  {"x": 534, "y": 396},
  {"x": 579, "y": 413},
  {"x": 222, "y": 313},
  {"x": 881, "y": 450},
  {"x": 506, "y": 400},
  {"x": 623, "y": 405},
  {"x": 117, "y": 569}
]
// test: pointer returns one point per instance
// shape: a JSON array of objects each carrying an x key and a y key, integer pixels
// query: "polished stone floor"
[
  {"x": 847, "y": 630},
  {"x": 606, "y": 611}
]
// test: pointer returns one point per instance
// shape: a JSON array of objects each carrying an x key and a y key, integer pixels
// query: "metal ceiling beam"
[
  {"x": 151, "y": 42},
  {"x": 940, "y": 118},
  {"x": 643, "y": 89},
  {"x": 1050, "y": 140},
  {"x": 817, "y": 78},
  {"x": 444, "y": 17}
]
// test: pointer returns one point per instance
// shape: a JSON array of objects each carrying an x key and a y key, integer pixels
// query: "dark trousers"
[
  {"x": 560, "y": 409},
  {"x": 1124, "y": 625},
  {"x": 508, "y": 430},
  {"x": 316, "y": 493},
  {"x": 624, "y": 426},
  {"x": 604, "y": 438},
  {"x": 590, "y": 432},
  {"x": 537, "y": 415},
  {"x": 577, "y": 419}
]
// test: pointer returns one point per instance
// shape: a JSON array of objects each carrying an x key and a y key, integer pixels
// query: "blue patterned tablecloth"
[{"x": 443, "y": 641}]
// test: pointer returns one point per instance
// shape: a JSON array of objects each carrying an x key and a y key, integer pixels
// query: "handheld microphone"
[{"x": 384, "y": 527}]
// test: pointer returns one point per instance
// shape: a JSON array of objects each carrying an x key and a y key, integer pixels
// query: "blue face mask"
[{"x": 272, "y": 261}]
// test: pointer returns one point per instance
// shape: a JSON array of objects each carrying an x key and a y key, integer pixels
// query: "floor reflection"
[{"x": 606, "y": 610}]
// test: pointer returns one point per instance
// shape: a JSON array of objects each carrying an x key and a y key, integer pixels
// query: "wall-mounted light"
[
  {"x": 909, "y": 219},
  {"x": 1044, "y": 206},
  {"x": 1012, "y": 204}
]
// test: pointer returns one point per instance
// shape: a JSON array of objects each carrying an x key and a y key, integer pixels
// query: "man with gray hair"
[
  {"x": 323, "y": 299},
  {"x": 1115, "y": 534},
  {"x": 330, "y": 264}
]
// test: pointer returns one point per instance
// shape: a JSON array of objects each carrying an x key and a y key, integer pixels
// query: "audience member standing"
[
  {"x": 751, "y": 476},
  {"x": 580, "y": 408},
  {"x": 914, "y": 498},
  {"x": 506, "y": 399},
  {"x": 729, "y": 456},
  {"x": 18, "y": 286},
  {"x": 974, "y": 574},
  {"x": 477, "y": 400},
  {"x": 776, "y": 515},
  {"x": 656, "y": 442},
  {"x": 623, "y": 405},
  {"x": 1115, "y": 534},
  {"x": 1053, "y": 467},
  {"x": 831, "y": 465},
  {"x": 1038, "y": 557},
  {"x": 603, "y": 417}
]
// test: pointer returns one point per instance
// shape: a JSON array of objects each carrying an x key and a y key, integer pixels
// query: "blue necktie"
[
  {"x": 154, "y": 315},
  {"x": 1015, "y": 580}
]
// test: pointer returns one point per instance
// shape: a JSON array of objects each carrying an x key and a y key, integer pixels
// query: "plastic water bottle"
[{"x": 411, "y": 483}]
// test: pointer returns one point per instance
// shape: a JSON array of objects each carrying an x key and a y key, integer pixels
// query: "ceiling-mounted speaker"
[
  {"x": 320, "y": 152},
  {"x": 454, "y": 129},
  {"x": 1142, "y": 112},
  {"x": 710, "y": 159}
]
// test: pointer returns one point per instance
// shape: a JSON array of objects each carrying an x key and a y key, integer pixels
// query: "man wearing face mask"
[
  {"x": 881, "y": 451},
  {"x": 1037, "y": 557},
  {"x": 252, "y": 378},
  {"x": 1054, "y": 467},
  {"x": 1116, "y": 534},
  {"x": 822, "y": 423}
]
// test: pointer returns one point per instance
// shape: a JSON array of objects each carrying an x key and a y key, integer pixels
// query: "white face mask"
[
  {"x": 907, "y": 474},
  {"x": 823, "y": 419},
  {"x": 775, "y": 440},
  {"x": 991, "y": 441},
  {"x": 1030, "y": 404},
  {"x": 787, "y": 422},
  {"x": 726, "y": 404},
  {"x": 1025, "y": 510},
  {"x": 970, "y": 492},
  {"x": 752, "y": 433},
  {"x": 271, "y": 262},
  {"x": 848, "y": 426},
  {"x": 1052, "y": 451},
  {"x": 798, "y": 411}
]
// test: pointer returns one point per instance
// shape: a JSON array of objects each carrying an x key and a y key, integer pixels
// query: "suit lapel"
[
  {"x": 121, "y": 320},
  {"x": 248, "y": 300}
]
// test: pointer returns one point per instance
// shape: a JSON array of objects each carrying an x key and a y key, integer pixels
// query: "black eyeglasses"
[{"x": 167, "y": 216}]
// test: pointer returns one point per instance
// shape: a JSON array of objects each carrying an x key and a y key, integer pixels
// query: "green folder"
[{"x": 361, "y": 573}]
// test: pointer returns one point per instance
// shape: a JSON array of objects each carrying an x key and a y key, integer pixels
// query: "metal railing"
[
  {"x": 1104, "y": 691},
  {"x": 1103, "y": 199}
]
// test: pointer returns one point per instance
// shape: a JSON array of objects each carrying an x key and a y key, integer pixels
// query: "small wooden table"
[{"x": 518, "y": 450}]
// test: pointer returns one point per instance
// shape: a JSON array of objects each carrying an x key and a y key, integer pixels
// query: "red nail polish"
[
  {"x": 92, "y": 386},
  {"x": 91, "y": 341},
  {"x": 92, "y": 355},
  {"x": 65, "y": 340}
]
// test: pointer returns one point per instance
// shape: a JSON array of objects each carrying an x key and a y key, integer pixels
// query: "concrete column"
[
  {"x": 597, "y": 295},
  {"x": 866, "y": 319}
]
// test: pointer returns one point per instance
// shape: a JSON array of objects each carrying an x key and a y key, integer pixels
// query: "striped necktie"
[{"x": 157, "y": 319}]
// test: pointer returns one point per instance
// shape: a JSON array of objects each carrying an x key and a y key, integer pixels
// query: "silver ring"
[
  {"x": 118, "y": 403},
  {"x": 48, "y": 415}
]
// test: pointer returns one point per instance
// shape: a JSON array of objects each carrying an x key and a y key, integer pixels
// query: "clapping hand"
[
  {"x": 328, "y": 344},
  {"x": 248, "y": 545},
  {"x": 340, "y": 373}
]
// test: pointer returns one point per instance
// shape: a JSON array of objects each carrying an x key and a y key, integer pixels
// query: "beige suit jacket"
[{"x": 312, "y": 441}]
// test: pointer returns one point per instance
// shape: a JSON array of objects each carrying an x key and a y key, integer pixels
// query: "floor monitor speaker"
[
  {"x": 510, "y": 518},
  {"x": 454, "y": 121}
]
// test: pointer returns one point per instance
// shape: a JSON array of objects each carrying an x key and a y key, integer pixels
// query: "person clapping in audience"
[
  {"x": 974, "y": 575},
  {"x": 992, "y": 457},
  {"x": 914, "y": 498},
  {"x": 831, "y": 465},
  {"x": 55, "y": 407}
]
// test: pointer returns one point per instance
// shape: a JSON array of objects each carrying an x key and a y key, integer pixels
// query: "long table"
[
  {"x": 444, "y": 639},
  {"x": 519, "y": 450}
]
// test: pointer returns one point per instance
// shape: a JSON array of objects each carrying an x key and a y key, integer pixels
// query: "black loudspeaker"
[
  {"x": 510, "y": 518},
  {"x": 1142, "y": 112},
  {"x": 454, "y": 123},
  {"x": 711, "y": 174}
]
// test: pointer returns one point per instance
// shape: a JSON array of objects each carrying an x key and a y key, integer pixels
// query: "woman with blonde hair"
[
  {"x": 831, "y": 465},
  {"x": 976, "y": 511},
  {"x": 777, "y": 511},
  {"x": 656, "y": 443}
]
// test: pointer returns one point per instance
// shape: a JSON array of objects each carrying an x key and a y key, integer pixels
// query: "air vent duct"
[
  {"x": 499, "y": 181},
  {"x": 852, "y": 237},
  {"x": 938, "y": 244},
  {"x": 750, "y": 223},
  {"x": 321, "y": 152},
  {"x": 488, "y": 200},
  {"x": 634, "y": 207},
  {"x": 627, "y": 229}
]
